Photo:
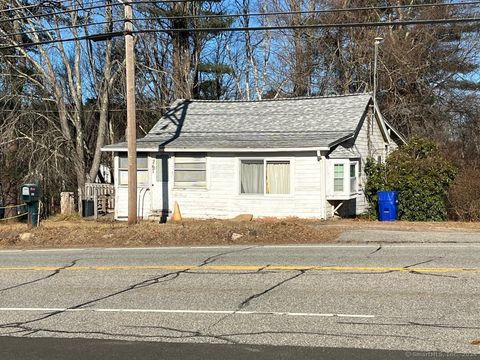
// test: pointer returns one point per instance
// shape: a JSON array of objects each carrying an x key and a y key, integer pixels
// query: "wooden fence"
[{"x": 103, "y": 196}]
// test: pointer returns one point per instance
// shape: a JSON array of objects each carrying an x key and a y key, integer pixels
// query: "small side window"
[
  {"x": 142, "y": 169},
  {"x": 353, "y": 177},
  {"x": 338, "y": 176}
]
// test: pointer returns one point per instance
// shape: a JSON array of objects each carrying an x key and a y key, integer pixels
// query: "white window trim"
[
  {"x": 347, "y": 191},
  {"x": 147, "y": 169},
  {"x": 265, "y": 160},
  {"x": 190, "y": 159},
  {"x": 334, "y": 178},
  {"x": 357, "y": 178}
]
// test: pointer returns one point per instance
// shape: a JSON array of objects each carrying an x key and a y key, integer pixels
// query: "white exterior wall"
[
  {"x": 144, "y": 195},
  {"x": 369, "y": 142},
  {"x": 311, "y": 183},
  {"x": 222, "y": 198}
]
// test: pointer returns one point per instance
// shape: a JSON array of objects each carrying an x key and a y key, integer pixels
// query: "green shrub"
[
  {"x": 376, "y": 181},
  {"x": 421, "y": 176}
]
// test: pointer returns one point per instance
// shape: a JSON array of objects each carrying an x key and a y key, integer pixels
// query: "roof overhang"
[
  {"x": 392, "y": 129},
  {"x": 339, "y": 141},
  {"x": 218, "y": 150},
  {"x": 124, "y": 149}
]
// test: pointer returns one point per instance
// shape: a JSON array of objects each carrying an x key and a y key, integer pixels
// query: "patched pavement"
[{"x": 409, "y": 298}]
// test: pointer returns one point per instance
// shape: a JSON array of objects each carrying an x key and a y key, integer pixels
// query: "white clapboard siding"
[
  {"x": 222, "y": 198},
  {"x": 144, "y": 194},
  {"x": 370, "y": 129},
  {"x": 143, "y": 202}
]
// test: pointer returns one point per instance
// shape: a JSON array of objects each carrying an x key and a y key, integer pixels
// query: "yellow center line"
[{"x": 251, "y": 268}]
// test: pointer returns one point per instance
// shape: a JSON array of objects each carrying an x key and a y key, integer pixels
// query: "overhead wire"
[
  {"x": 213, "y": 16},
  {"x": 257, "y": 14},
  {"x": 30, "y": 111},
  {"x": 93, "y": 7},
  {"x": 309, "y": 12},
  {"x": 42, "y": 3},
  {"x": 106, "y": 36}
]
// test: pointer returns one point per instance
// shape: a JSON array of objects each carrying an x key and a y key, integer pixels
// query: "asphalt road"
[
  {"x": 412, "y": 297},
  {"x": 15, "y": 348}
]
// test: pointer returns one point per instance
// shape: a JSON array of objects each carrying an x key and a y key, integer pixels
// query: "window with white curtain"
[
  {"x": 142, "y": 169},
  {"x": 278, "y": 177},
  {"x": 190, "y": 172},
  {"x": 262, "y": 176},
  {"x": 251, "y": 177}
]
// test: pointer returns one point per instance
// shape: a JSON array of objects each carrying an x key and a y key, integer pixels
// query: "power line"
[
  {"x": 30, "y": 111},
  {"x": 63, "y": 27},
  {"x": 302, "y": 12},
  {"x": 25, "y": 7},
  {"x": 237, "y": 15},
  {"x": 94, "y": 7},
  {"x": 307, "y": 12},
  {"x": 317, "y": 26},
  {"x": 106, "y": 36},
  {"x": 46, "y": 3}
]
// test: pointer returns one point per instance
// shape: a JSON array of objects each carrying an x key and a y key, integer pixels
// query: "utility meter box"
[{"x": 30, "y": 193}]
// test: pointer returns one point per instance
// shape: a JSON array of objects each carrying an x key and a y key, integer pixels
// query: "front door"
[{"x": 160, "y": 199}]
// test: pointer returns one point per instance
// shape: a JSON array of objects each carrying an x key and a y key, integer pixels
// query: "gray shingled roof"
[{"x": 318, "y": 122}]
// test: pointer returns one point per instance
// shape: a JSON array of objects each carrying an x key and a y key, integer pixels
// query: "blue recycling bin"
[{"x": 387, "y": 205}]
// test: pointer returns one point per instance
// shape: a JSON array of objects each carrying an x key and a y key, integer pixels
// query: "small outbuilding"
[{"x": 300, "y": 157}]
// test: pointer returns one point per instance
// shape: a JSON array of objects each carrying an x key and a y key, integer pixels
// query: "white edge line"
[{"x": 165, "y": 311}]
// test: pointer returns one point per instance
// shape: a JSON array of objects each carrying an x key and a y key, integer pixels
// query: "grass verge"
[{"x": 80, "y": 233}]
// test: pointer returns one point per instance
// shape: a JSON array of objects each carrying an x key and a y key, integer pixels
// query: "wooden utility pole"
[
  {"x": 378, "y": 40},
  {"x": 131, "y": 116}
]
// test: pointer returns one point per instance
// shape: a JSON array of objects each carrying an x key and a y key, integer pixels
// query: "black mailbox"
[
  {"x": 31, "y": 196},
  {"x": 30, "y": 193}
]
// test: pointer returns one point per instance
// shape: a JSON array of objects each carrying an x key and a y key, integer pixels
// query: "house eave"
[
  {"x": 392, "y": 129},
  {"x": 124, "y": 149},
  {"x": 339, "y": 141},
  {"x": 219, "y": 150},
  {"x": 243, "y": 150}
]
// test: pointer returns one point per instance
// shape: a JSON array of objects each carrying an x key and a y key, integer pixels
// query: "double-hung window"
[
  {"x": 262, "y": 176},
  {"x": 142, "y": 169},
  {"x": 345, "y": 177},
  {"x": 338, "y": 177},
  {"x": 353, "y": 177},
  {"x": 190, "y": 172}
]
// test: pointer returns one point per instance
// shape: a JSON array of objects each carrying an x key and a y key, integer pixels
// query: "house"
[{"x": 301, "y": 157}]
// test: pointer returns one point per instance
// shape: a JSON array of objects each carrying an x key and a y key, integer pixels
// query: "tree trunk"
[{"x": 181, "y": 60}]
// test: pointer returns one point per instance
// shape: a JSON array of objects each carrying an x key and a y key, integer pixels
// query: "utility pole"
[
  {"x": 131, "y": 115},
  {"x": 378, "y": 40}
]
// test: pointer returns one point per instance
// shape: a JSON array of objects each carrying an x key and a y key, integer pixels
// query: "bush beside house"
[
  {"x": 464, "y": 195},
  {"x": 420, "y": 174}
]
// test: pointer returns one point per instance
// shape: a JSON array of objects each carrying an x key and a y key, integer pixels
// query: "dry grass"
[
  {"x": 82, "y": 233},
  {"x": 73, "y": 232}
]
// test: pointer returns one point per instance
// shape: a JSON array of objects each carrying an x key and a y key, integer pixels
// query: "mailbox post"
[{"x": 31, "y": 197}]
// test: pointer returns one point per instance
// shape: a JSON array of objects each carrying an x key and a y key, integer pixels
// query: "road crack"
[{"x": 56, "y": 272}]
